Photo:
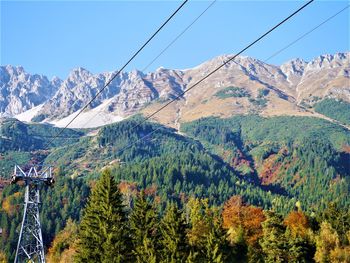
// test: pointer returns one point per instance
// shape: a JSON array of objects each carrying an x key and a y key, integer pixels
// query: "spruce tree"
[
  {"x": 339, "y": 219},
  {"x": 143, "y": 229},
  {"x": 299, "y": 249},
  {"x": 103, "y": 231},
  {"x": 215, "y": 245},
  {"x": 173, "y": 236},
  {"x": 273, "y": 242}
]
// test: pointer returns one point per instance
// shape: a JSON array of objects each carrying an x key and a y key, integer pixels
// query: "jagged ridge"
[{"x": 291, "y": 85}]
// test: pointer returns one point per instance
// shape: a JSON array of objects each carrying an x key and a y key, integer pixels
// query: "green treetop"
[{"x": 103, "y": 230}]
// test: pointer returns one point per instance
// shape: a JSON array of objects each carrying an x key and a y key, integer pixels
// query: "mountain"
[
  {"x": 246, "y": 85},
  {"x": 274, "y": 162},
  {"x": 20, "y": 91},
  {"x": 269, "y": 90},
  {"x": 126, "y": 95}
]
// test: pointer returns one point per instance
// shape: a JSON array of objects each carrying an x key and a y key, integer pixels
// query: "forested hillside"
[
  {"x": 306, "y": 158},
  {"x": 194, "y": 231},
  {"x": 19, "y": 136},
  {"x": 269, "y": 163},
  {"x": 336, "y": 109},
  {"x": 173, "y": 164}
]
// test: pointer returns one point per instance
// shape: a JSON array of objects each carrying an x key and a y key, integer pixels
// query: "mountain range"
[
  {"x": 246, "y": 85},
  {"x": 277, "y": 136}
]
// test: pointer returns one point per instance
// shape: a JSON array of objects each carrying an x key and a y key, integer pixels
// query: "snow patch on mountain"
[
  {"x": 29, "y": 114},
  {"x": 96, "y": 117}
]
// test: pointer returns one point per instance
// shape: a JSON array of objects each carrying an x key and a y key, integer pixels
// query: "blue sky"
[{"x": 53, "y": 37}]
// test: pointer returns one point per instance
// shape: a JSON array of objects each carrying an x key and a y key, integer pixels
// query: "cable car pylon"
[{"x": 30, "y": 247}]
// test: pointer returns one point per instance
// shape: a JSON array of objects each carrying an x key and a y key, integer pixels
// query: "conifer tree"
[
  {"x": 215, "y": 244},
  {"x": 338, "y": 218},
  {"x": 173, "y": 236},
  {"x": 300, "y": 249},
  {"x": 103, "y": 231},
  {"x": 273, "y": 242},
  {"x": 206, "y": 236},
  {"x": 143, "y": 229}
]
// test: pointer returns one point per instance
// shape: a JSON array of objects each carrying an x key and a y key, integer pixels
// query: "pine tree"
[
  {"x": 339, "y": 219},
  {"x": 173, "y": 236},
  {"x": 273, "y": 242},
  {"x": 143, "y": 228},
  {"x": 103, "y": 231}
]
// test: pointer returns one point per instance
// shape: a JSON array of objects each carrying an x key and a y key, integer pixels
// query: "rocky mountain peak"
[
  {"x": 21, "y": 91},
  {"x": 294, "y": 67},
  {"x": 79, "y": 74},
  {"x": 56, "y": 81},
  {"x": 14, "y": 70},
  {"x": 329, "y": 61},
  {"x": 289, "y": 84},
  {"x": 136, "y": 74}
]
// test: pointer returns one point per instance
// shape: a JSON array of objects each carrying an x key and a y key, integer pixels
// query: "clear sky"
[{"x": 53, "y": 37}]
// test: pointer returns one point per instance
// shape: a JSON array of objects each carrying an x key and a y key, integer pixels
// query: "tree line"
[{"x": 113, "y": 230}]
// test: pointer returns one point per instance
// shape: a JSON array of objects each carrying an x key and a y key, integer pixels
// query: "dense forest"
[
  {"x": 19, "y": 136},
  {"x": 336, "y": 109},
  {"x": 306, "y": 158},
  {"x": 114, "y": 230},
  {"x": 277, "y": 167}
]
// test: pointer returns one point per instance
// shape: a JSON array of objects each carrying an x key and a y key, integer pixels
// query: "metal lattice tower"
[{"x": 30, "y": 246}]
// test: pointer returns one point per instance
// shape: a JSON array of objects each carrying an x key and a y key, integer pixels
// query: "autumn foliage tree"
[
  {"x": 299, "y": 237},
  {"x": 326, "y": 242},
  {"x": 297, "y": 222},
  {"x": 63, "y": 247},
  {"x": 238, "y": 216},
  {"x": 243, "y": 225},
  {"x": 3, "y": 257}
]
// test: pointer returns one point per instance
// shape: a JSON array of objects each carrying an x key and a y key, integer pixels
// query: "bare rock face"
[
  {"x": 264, "y": 88},
  {"x": 325, "y": 76},
  {"x": 20, "y": 91},
  {"x": 126, "y": 94},
  {"x": 76, "y": 91},
  {"x": 294, "y": 70}
]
